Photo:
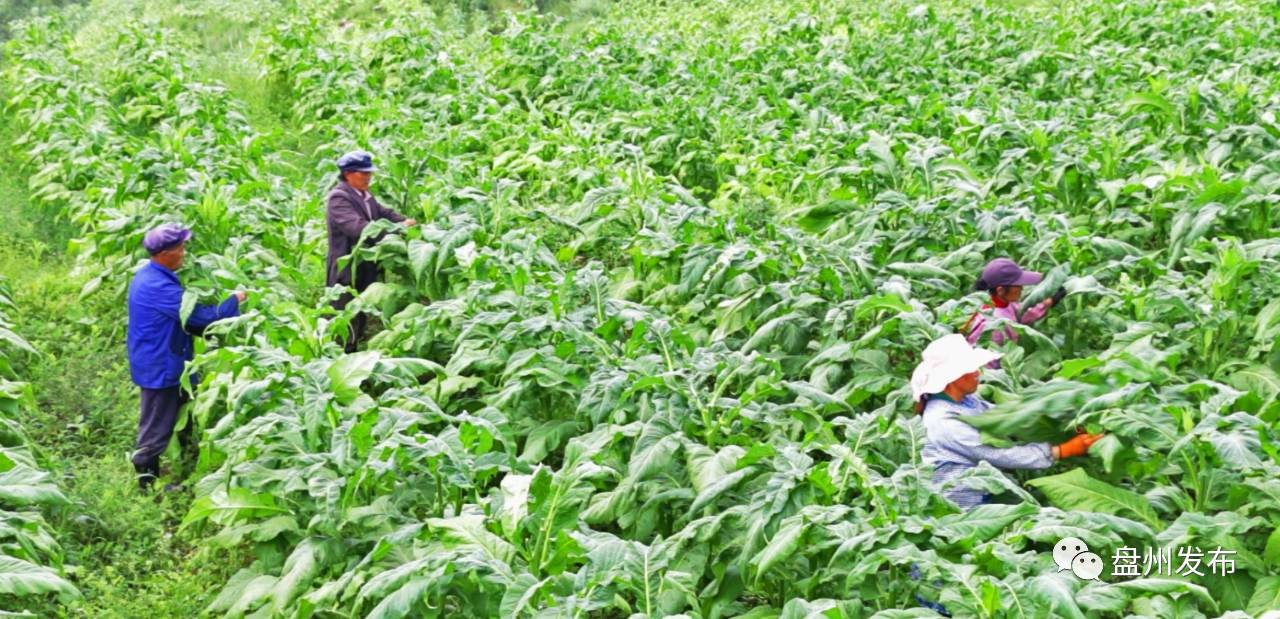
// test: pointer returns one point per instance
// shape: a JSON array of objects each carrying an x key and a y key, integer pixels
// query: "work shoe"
[{"x": 145, "y": 481}]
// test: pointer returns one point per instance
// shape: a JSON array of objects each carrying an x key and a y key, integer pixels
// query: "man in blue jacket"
[{"x": 159, "y": 345}]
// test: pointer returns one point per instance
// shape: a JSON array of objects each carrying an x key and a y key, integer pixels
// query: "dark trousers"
[
  {"x": 359, "y": 322},
  {"x": 366, "y": 273},
  {"x": 155, "y": 428}
]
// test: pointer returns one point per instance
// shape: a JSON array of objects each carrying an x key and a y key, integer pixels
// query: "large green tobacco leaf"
[
  {"x": 1266, "y": 596},
  {"x": 225, "y": 506},
  {"x": 299, "y": 569},
  {"x": 1259, "y": 380},
  {"x": 905, "y": 613},
  {"x": 803, "y": 609},
  {"x": 403, "y": 602},
  {"x": 469, "y": 530},
  {"x": 235, "y": 588},
  {"x": 1074, "y": 489},
  {"x": 1051, "y": 533},
  {"x": 521, "y": 595},
  {"x": 988, "y": 478},
  {"x": 1054, "y": 279},
  {"x": 976, "y": 595},
  {"x": 348, "y": 371},
  {"x": 1168, "y": 585},
  {"x": 1107, "y": 449},
  {"x": 1234, "y": 439},
  {"x": 1042, "y": 413},
  {"x": 1184, "y": 607},
  {"x": 783, "y": 544},
  {"x": 23, "y": 485},
  {"x": 815, "y": 395},
  {"x": 1046, "y": 412},
  {"x": 1056, "y": 592},
  {"x": 547, "y": 437},
  {"x": 513, "y": 502},
  {"x": 246, "y": 591},
  {"x": 18, "y": 577},
  {"x": 15, "y": 341},
  {"x": 719, "y": 487},
  {"x": 983, "y": 522},
  {"x": 400, "y": 588}
]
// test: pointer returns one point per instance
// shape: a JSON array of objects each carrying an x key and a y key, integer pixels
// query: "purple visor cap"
[
  {"x": 165, "y": 236},
  {"x": 1005, "y": 272}
]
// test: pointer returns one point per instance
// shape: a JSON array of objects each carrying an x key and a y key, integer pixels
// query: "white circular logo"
[
  {"x": 1086, "y": 565},
  {"x": 1066, "y": 550}
]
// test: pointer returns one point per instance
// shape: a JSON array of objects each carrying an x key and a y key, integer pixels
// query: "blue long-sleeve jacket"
[
  {"x": 158, "y": 345},
  {"x": 953, "y": 447}
]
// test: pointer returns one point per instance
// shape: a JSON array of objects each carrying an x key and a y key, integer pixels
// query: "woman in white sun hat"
[{"x": 944, "y": 388}]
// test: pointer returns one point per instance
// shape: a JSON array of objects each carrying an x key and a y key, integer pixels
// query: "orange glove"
[{"x": 1078, "y": 445}]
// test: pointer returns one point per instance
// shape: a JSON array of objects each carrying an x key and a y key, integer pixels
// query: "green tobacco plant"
[{"x": 30, "y": 557}]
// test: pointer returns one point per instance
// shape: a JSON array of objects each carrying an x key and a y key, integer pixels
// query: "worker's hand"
[
  {"x": 241, "y": 296},
  {"x": 410, "y": 222},
  {"x": 1078, "y": 445}
]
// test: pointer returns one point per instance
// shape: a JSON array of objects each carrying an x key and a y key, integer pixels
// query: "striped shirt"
[
  {"x": 953, "y": 447},
  {"x": 367, "y": 196}
]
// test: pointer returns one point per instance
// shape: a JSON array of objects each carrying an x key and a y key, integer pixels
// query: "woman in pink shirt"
[{"x": 1004, "y": 279}]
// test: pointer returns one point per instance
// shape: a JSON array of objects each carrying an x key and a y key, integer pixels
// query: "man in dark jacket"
[
  {"x": 160, "y": 345},
  {"x": 350, "y": 208}
]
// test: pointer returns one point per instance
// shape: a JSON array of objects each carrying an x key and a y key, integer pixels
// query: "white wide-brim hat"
[{"x": 944, "y": 360}]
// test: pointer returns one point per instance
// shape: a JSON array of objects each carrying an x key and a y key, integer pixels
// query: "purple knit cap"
[
  {"x": 1005, "y": 272},
  {"x": 165, "y": 236}
]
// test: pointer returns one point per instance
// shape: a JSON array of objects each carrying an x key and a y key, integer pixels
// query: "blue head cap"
[
  {"x": 356, "y": 161},
  {"x": 165, "y": 236}
]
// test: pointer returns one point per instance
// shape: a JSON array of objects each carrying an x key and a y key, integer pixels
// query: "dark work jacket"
[{"x": 346, "y": 216}]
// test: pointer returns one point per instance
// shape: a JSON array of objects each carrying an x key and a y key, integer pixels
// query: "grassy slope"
[
  {"x": 124, "y": 550},
  {"x": 121, "y": 547}
]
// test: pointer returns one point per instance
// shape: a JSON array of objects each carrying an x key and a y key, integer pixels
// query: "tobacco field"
[{"x": 647, "y": 352}]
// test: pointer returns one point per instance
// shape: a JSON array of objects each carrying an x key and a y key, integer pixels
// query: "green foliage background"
[{"x": 647, "y": 352}]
